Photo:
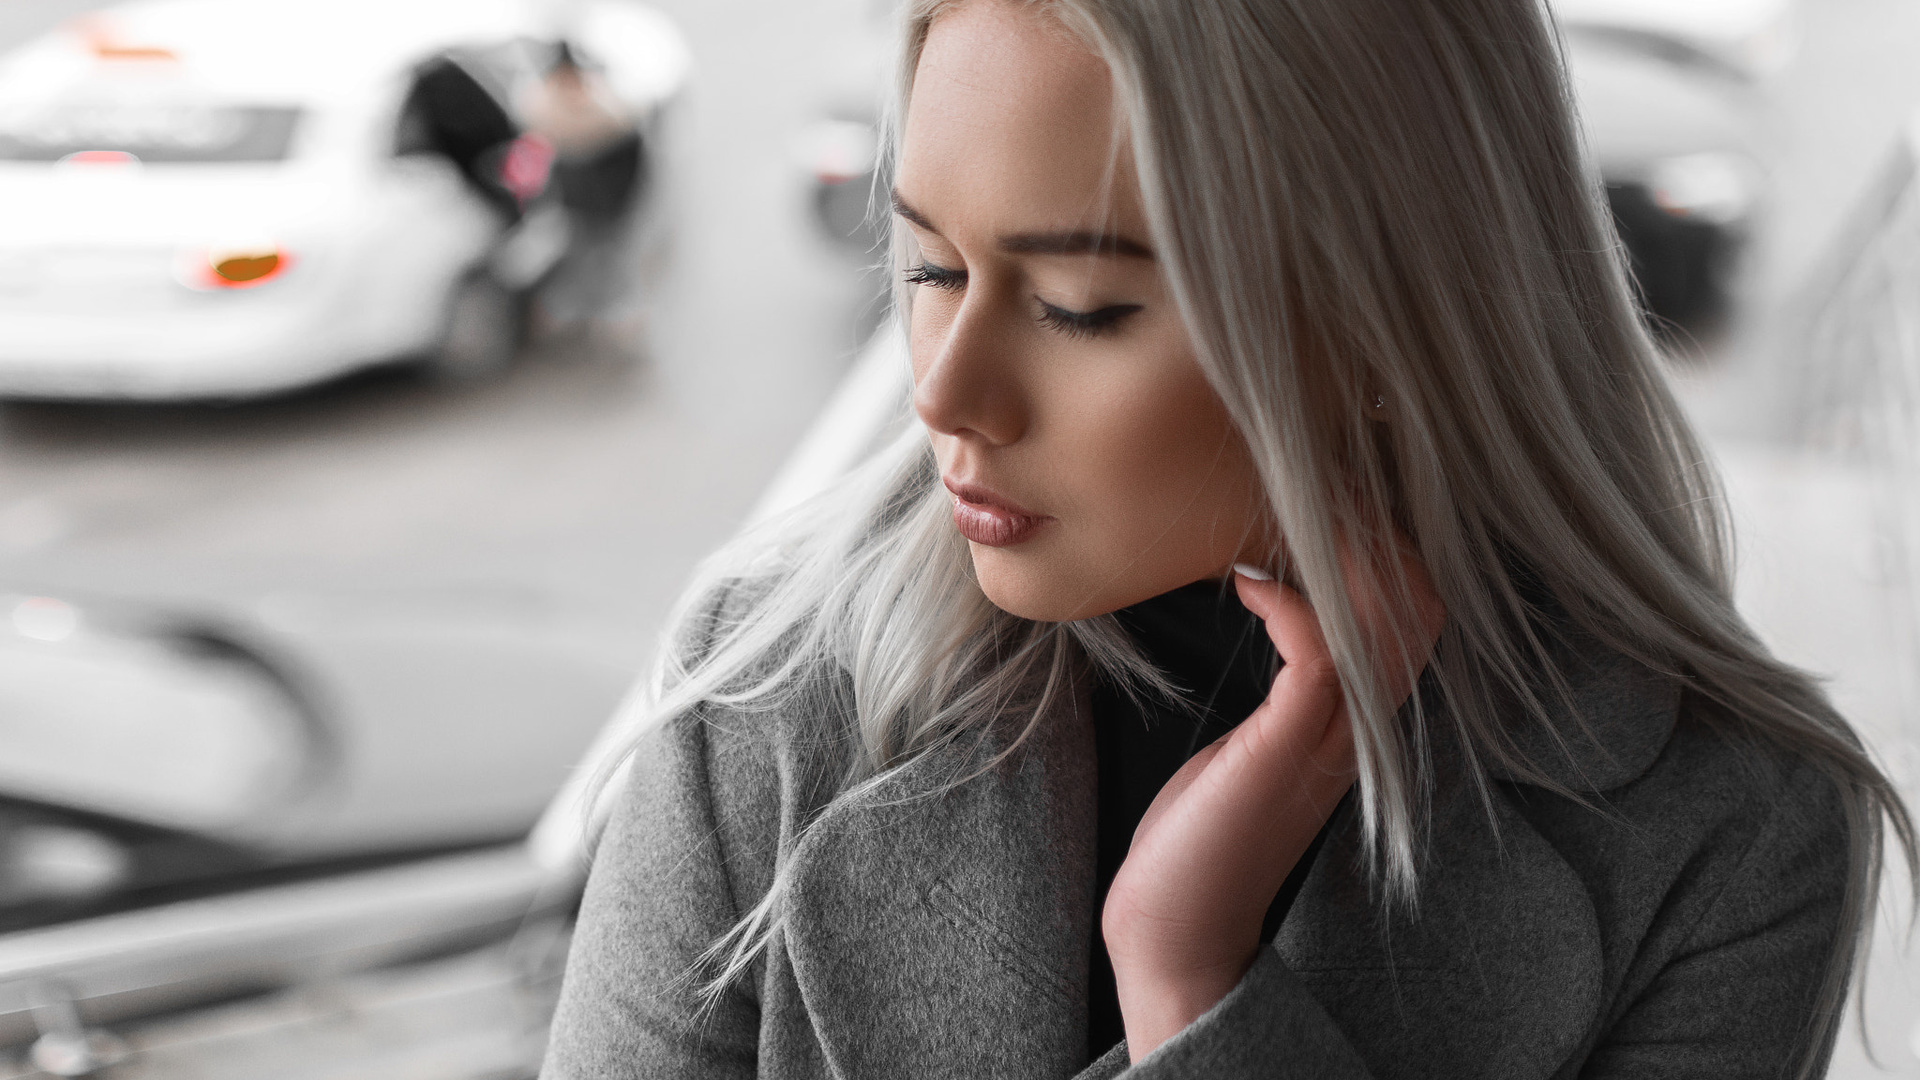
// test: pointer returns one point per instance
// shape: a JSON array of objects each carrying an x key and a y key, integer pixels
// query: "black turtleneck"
[{"x": 1218, "y": 654}]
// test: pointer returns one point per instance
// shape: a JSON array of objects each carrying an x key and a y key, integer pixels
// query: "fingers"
[
  {"x": 1391, "y": 595},
  {"x": 1305, "y": 709},
  {"x": 1399, "y": 615},
  {"x": 1291, "y": 621}
]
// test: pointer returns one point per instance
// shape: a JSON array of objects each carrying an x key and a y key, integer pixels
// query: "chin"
[
  {"x": 1048, "y": 585},
  {"x": 1023, "y": 586}
]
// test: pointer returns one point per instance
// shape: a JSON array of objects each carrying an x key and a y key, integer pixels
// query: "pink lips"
[{"x": 985, "y": 518}]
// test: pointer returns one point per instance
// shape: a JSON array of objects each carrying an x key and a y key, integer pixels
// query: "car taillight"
[
  {"x": 248, "y": 269},
  {"x": 101, "y": 158},
  {"x": 103, "y": 37},
  {"x": 234, "y": 267},
  {"x": 1720, "y": 189}
]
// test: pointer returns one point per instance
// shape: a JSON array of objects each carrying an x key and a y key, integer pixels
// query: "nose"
[{"x": 966, "y": 381}]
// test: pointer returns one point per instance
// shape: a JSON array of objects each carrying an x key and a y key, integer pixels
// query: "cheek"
[{"x": 1161, "y": 475}]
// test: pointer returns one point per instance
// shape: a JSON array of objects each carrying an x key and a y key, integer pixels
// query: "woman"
[{"x": 973, "y": 767}]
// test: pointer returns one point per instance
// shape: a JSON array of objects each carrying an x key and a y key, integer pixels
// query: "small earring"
[{"x": 1379, "y": 402}]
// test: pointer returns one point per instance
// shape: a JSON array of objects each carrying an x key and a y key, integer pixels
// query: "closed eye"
[
  {"x": 937, "y": 276},
  {"x": 1085, "y": 323}
]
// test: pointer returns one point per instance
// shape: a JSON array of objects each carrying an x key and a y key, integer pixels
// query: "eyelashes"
[
  {"x": 1084, "y": 323},
  {"x": 938, "y": 277},
  {"x": 1053, "y": 317}
]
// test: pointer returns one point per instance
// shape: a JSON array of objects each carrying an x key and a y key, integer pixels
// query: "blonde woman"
[{"x": 1295, "y": 641}]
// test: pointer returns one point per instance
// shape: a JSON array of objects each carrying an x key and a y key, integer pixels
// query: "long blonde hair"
[{"x": 1353, "y": 201}]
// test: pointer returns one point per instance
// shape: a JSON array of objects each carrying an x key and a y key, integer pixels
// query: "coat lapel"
[
  {"x": 947, "y": 935},
  {"x": 1496, "y": 973},
  {"x": 1612, "y": 724},
  {"x": 1498, "y": 970}
]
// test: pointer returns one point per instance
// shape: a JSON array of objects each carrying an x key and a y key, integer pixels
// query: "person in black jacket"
[{"x": 449, "y": 112}]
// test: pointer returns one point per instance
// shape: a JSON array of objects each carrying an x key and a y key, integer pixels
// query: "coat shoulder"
[
  {"x": 764, "y": 774},
  {"x": 1725, "y": 837},
  {"x": 1715, "y": 786}
]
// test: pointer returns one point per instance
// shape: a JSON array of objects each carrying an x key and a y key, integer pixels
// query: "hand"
[{"x": 1182, "y": 918}]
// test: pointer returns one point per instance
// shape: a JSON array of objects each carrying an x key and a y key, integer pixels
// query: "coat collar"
[
  {"x": 1496, "y": 973},
  {"x": 947, "y": 935},
  {"x": 1609, "y": 727}
]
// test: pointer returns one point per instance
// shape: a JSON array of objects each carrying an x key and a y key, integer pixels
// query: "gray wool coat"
[{"x": 1676, "y": 926}]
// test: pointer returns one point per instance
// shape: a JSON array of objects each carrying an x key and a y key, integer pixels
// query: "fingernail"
[{"x": 1249, "y": 570}]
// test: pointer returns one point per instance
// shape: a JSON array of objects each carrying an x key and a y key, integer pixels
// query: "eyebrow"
[{"x": 1053, "y": 243}]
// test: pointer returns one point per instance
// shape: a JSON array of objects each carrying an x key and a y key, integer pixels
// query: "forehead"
[{"x": 1011, "y": 125}]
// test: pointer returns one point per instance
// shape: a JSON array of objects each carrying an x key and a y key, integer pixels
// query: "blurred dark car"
[{"x": 1669, "y": 94}]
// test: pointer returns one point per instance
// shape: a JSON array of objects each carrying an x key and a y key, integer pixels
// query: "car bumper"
[{"x": 183, "y": 354}]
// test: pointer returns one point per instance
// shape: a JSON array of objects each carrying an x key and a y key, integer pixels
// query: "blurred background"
[{"x": 373, "y": 373}]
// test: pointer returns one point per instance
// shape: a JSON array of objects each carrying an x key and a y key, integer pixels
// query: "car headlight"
[{"x": 1716, "y": 188}]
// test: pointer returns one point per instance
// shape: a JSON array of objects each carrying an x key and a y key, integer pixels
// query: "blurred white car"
[{"x": 223, "y": 198}]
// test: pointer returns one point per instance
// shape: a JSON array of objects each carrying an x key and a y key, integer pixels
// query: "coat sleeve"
[
  {"x": 657, "y": 896},
  {"x": 1739, "y": 997},
  {"x": 1267, "y": 1027}
]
